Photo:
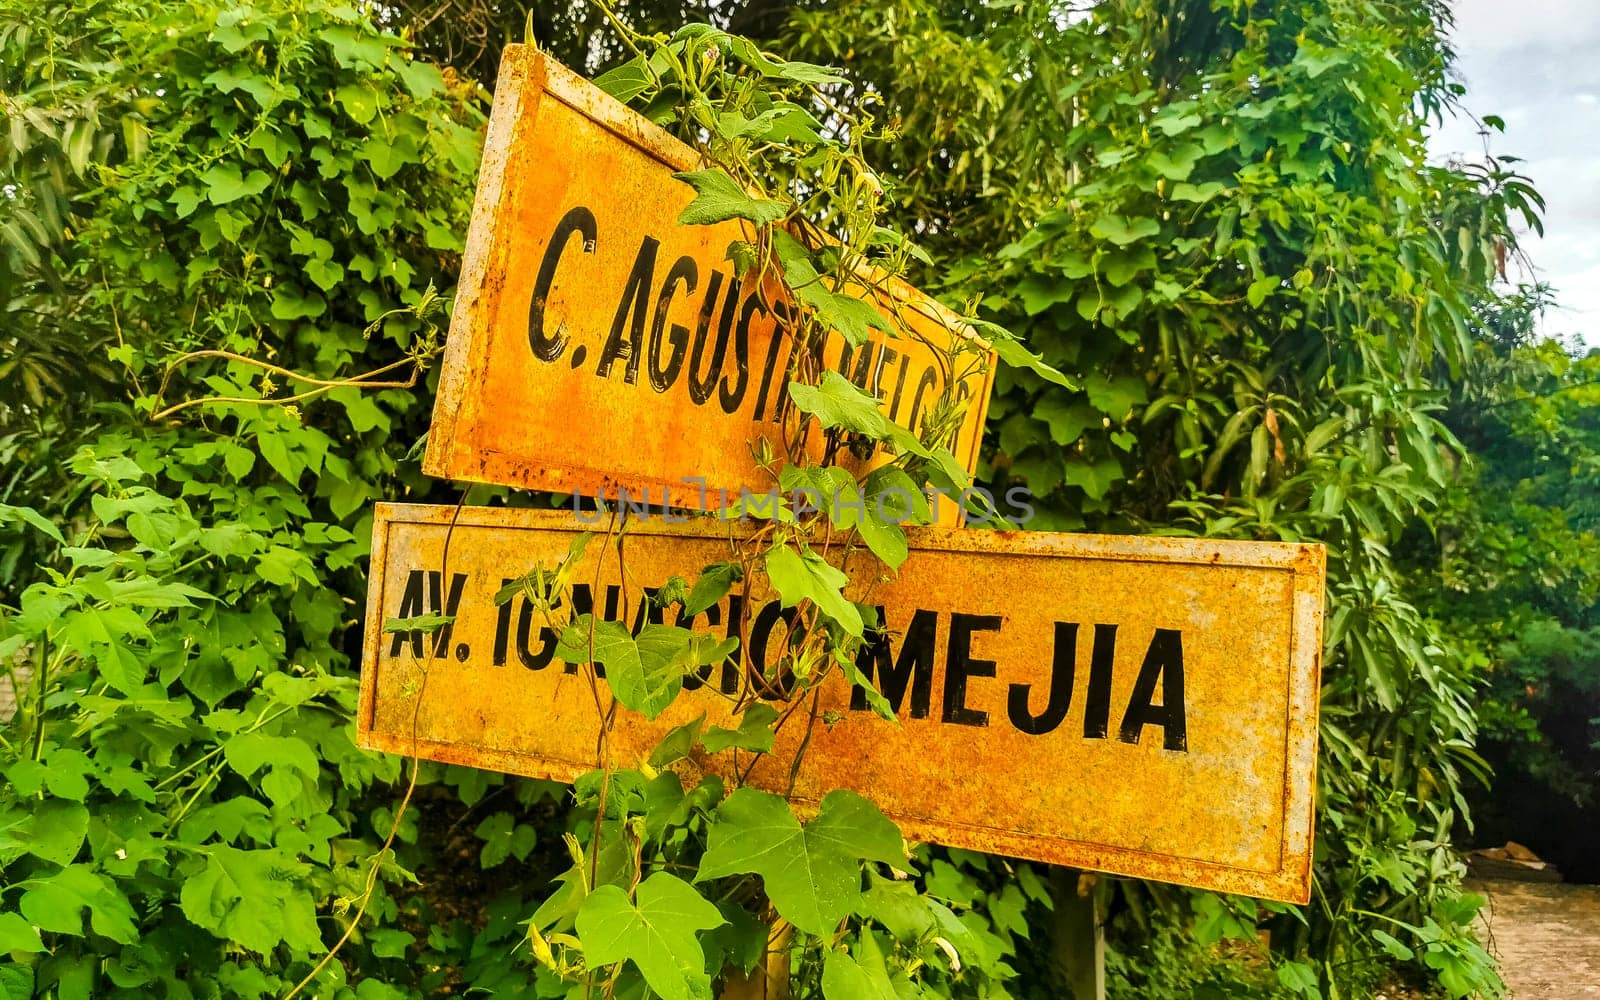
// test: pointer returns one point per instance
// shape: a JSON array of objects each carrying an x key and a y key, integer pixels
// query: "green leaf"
[
  {"x": 16, "y": 981},
  {"x": 1260, "y": 289},
  {"x": 324, "y": 273},
  {"x": 1176, "y": 164},
  {"x": 387, "y": 156},
  {"x": 276, "y": 146},
  {"x": 854, "y": 318},
  {"x": 224, "y": 183},
  {"x": 845, "y": 978},
  {"x": 56, "y": 903},
  {"x": 741, "y": 942},
  {"x": 353, "y": 49},
  {"x": 1392, "y": 945},
  {"x": 1010, "y": 350},
  {"x": 1122, "y": 231},
  {"x": 798, "y": 576},
  {"x": 718, "y": 198},
  {"x": 274, "y": 447},
  {"x": 1197, "y": 193},
  {"x": 252, "y": 897},
  {"x": 655, "y": 931},
  {"x": 646, "y": 673},
  {"x": 1116, "y": 396},
  {"x": 1067, "y": 420},
  {"x": 428, "y": 623},
  {"x": 31, "y": 517},
  {"x": 678, "y": 743},
  {"x": 808, "y": 73},
  {"x": 17, "y": 934},
  {"x": 625, "y": 82},
  {"x": 58, "y": 829},
  {"x": 1094, "y": 478},
  {"x": 281, "y": 565},
  {"x": 712, "y": 586},
  {"x": 838, "y": 402},
  {"x": 421, "y": 77},
  {"x": 811, "y": 873},
  {"x": 889, "y": 499},
  {"x": 503, "y": 838},
  {"x": 240, "y": 76},
  {"x": 1300, "y": 978},
  {"x": 875, "y": 699},
  {"x": 359, "y": 101},
  {"x": 898, "y": 906},
  {"x": 754, "y": 733}
]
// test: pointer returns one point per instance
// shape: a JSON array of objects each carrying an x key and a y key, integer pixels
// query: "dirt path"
[{"x": 1546, "y": 936}]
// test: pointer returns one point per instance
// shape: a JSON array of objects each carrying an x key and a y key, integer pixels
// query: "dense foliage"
[
  {"x": 1277, "y": 321},
  {"x": 1514, "y": 574},
  {"x": 1269, "y": 297},
  {"x": 184, "y": 812}
]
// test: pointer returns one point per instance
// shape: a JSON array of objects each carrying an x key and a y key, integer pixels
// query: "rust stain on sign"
[
  {"x": 1142, "y": 706},
  {"x": 596, "y": 343}
]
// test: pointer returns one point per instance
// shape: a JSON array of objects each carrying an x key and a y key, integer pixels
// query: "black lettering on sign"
[
  {"x": 649, "y": 612},
  {"x": 448, "y": 607},
  {"x": 685, "y": 273},
  {"x": 929, "y": 381},
  {"x": 703, "y": 377},
  {"x": 1097, "y": 706},
  {"x": 579, "y": 221},
  {"x": 1163, "y": 662},
  {"x": 913, "y": 668},
  {"x": 960, "y": 666},
  {"x": 534, "y": 660},
  {"x": 502, "y": 627},
  {"x": 411, "y": 606},
  {"x": 899, "y": 387},
  {"x": 775, "y": 346},
  {"x": 731, "y": 396},
  {"x": 1063, "y": 666},
  {"x": 885, "y": 359},
  {"x": 954, "y": 444},
  {"x": 635, "y": 304},
  {"x": 865, "y": 356},
  {"x": 761, "y": 633}
]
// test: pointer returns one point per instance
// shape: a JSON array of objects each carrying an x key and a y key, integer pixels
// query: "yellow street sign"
[
  {"x": 1141, "y": 706},
  {"x": 598, "y": 344}
]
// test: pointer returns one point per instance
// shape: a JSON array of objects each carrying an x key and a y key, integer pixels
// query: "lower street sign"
[{"x": 1140, "y": 706}]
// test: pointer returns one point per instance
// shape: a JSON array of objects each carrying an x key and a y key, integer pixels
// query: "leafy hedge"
[{"x": 184, "y": 811}]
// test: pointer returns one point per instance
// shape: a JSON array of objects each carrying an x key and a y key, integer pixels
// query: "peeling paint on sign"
[
  {"x": 1140, "y": 706},
  {"x": 598, "y": 344}
]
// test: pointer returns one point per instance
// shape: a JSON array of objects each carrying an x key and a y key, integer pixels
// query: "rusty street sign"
[
  {"x": 1141, "y": 706},
  {"x": 596, "y": 343}
]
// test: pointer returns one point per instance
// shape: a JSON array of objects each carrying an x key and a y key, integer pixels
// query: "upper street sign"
[
  {"x": 1143, "y": 706},
  {"x": 597, "y": 343}
]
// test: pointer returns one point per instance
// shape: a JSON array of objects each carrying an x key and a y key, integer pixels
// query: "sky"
[{"x": 1536, "y": 64}]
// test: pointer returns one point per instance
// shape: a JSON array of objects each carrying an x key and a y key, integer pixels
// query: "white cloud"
[
  {"x": 1485, "y": 27},
  {"x": 1535, "y": 65}
]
